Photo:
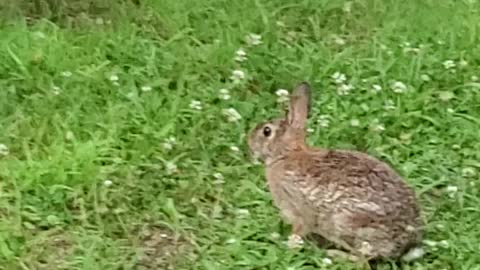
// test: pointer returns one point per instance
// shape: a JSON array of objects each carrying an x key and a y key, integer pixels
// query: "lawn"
[{"x": 122, "y": 142}]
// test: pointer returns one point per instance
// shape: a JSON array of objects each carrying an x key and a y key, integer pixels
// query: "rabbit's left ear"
[{"x": 299, "y": 106}]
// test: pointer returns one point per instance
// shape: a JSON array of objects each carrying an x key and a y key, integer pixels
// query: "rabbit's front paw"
[{"x": 295, "y": 241}]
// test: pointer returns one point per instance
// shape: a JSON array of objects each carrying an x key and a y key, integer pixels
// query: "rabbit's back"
[{"x": 350, "y": 198}]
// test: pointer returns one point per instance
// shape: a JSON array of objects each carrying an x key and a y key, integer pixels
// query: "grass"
[{"x": 91, "y": 181}]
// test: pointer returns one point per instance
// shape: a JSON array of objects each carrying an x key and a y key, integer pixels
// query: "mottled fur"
[{"x": 350, "y": 198}]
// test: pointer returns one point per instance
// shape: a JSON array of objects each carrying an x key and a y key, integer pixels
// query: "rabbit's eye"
[{"x": 267, "y": 131}]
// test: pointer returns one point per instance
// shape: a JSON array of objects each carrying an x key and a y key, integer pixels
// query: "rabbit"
[{"x": 353, "y": 200}]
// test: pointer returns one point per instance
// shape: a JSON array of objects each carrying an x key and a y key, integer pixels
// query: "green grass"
[{"x": 68, "y": 136}]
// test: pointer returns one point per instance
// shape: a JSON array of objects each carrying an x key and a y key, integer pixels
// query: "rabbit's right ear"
[{"x": 299, "y": 106}]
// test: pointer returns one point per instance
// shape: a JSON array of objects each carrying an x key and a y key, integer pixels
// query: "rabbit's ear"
[{"x": 299, "y": 106}]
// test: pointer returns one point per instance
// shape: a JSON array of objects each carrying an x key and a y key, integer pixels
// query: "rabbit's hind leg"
[{"x": 343, "y": 255}]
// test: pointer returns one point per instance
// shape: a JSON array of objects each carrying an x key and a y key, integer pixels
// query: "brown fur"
[{"x": 350, "y": 198}]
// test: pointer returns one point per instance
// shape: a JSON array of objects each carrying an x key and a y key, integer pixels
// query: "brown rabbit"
[{"x": 349, "y": 198}]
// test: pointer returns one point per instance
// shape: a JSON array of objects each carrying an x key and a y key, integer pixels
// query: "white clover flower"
[
  {"x": 130, "y": 95},
  {"x": 425, "y": 77},
  {"x": 399, "y": 87},
  {"x": 347, "y": 7},
  {"x": 389, "y": 105},
  {"x": 169, "y": 142},
  {"x": 376, "y": 88},
  {"x": 281, "y": 92},
  {"x": 310, "y": 130},
  {"x": 240, "y": 55},
  {"x": 413, "y": 254},
  {"x": 430, "y": 243},
  {"x": 232, "y": 115},
  {"x": 344, "y": 89},
  {"x": 69, "y": 136},
  {"x": 446, "y": 96},
  {"x": 167, "y": 146},
  {"x": 4, "y": 151},
  {"x": 323, "y": 121},
  {"x": 283, "y": 95},
  {"x": 407, "y": 48},
  {"x": 237, "y": 76},
  {"x": 339, "y": 41},
  {"x": 377, "y": 126},
  {"x": 242, "y": 213},
  {"x": 99, "y": 21},
  {"x": 411, "y": 50},
  {"x": 107, "y": 183},
  {"x": 444, "y": 243},
  {"x": 253, "y": 39},
  {"x": 224, "y": 94},
  {"x": 327, "y": 261},
  {"x": 234, "y": 148},
  {"x": 113, "y": 78},
  {"x": 231, "y": 241},
  {"x": 338, "y": 78},
  {"x": 170, "y": 168},
  {"x": 449, "y": 64},
  {"x": 195, "y": 104},
  {"x": 66, "y": 74},
  {"x": 354, "y": 123},
  {"x": 39, "y": 35},
  {"x": 219, "y": 179},
  {"x": 451, "y": 190},
  {"x": 56, "y": 90},
  {"x": 275, "y": 235},
  {"x": 218, "y": 176},
  {"x": 146, "y": 88}
]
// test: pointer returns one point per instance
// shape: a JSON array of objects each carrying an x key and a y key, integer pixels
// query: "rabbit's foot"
[
  {"x": 295, "y": 241},
  {"x": 343, "y": 255}
]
